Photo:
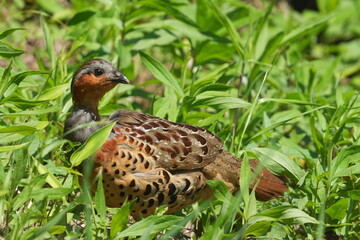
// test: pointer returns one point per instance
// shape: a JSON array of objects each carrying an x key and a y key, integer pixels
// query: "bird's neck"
[
  {"x": 90, "y": 107},
  {"x": 81, "y": 123}
]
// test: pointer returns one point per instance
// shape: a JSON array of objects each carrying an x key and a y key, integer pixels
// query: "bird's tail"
[{"x": 226, "y": 168}]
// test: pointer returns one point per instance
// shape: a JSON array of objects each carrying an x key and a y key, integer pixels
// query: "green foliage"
[{"x": 275, "y": 84}]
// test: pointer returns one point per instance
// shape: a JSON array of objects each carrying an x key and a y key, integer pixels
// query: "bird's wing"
[{"x": 164, "y": 144}]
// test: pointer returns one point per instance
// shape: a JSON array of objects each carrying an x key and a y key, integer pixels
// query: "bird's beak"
[{"x": 118, "y": 77}]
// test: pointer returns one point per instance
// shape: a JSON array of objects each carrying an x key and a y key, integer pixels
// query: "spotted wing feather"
[{"x": 173, "y": 146}]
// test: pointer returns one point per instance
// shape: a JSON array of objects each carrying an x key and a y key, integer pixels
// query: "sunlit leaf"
[
  {"x": 278, "y": 162},
  {"x": 91, "y": 145},
  {"x": 160, "y": 72}
]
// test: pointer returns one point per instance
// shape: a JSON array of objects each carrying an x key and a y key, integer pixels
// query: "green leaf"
[
  {"x": 120, "y": 220},
  {"x": 234, "y": 36},
  {"x": 8, "y": 31},
  {"x": 354, "y": 194},
  {"x": 81, "y": 17},
  {"x": 204, "y": 17},
  {"x": 46, "y": 31},
  {"x": 96, "y": 140},
  {"x": 220, "y": 191},
  {"x": 51, "y": 6},
  {"x": 49, "y": 193},
  {"x": 53, "y": 92},
  {"x": 346, "y": 163},
  {"x": 50, "y": 179},
  {"x": 21, "y": 102},
  {"x": 289, "y": 215},
  {"x": 5, "y": 79},
  {"x": 53, "y": 221},
  {"x": 339, "y": 209},
  {"x": 214, "y": 51},
  {"x": 12, "y": 147},
  {"x": 100, "y": 204},
  {"x": 18, "y": 78},
  {"x": 6, "y": 51},
  {"x": 58, "y": 229},
  {"x": 278, "y": 162},
  {"x": 36, "y": 183},
  {"x": 23, "y": 130},
  {"x": 256, "y": 225},
  {"x": 245, "y": 179},
  {"x": 150, "y": 225},
  {"x": 160, "y": 72},
  {"x": 223, "y": 102},
  {"x": 258, "y": 228},
  {"x": 306, "y": 28},
  {"x": 31, "y": 112},
  {"x": 167, "y": 8}
]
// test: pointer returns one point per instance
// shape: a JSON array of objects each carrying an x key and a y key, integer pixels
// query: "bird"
[{"x": 150, "y": 160}]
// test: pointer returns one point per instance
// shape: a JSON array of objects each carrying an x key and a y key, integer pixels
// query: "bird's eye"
[{"x": 98, "y": 72}]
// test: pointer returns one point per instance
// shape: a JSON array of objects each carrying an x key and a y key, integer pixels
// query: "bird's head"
[{"x": 92, "y": 80}]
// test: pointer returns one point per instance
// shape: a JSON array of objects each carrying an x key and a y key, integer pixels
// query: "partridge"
[{"x": 151, "y": 160}]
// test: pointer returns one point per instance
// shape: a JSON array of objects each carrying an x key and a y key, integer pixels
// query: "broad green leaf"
[
  {"x": 160, "y": 72},
  {"x": 23, "y": 130},
  {"x": 256, "y": 225},
  {"x": 120, "y": 220},
  {"x": 6, "y": 51},
  {"x": 8, "y": 31},
  {"x": 326, "y": 6},
  {"x": 91, "y": 145},
  {"x": 81, "y": 17},
  {"x": 57, "y": 229},
  {"x": 354, "y": 194},
  {"x": 339, "y": 209},
  {"x": 21, "y": 102},
  {"x": 214, "y": 51},
  {"x": 31, "y": 112},
  {"x": 258, "y": 228},
  {"x": 53, "y": 92},
  {"x": 12, "y": 147},
  {"x": 211, "y": 76},
  {"x": 349, "y": 171},
  {"x": 221, "y": 102},
  {"x": 160, "y": 37},
  {"x": 346, "y": 163},
  {"x": 18, "y": 78},
  {"x": 49, "y": 193},
  {"x": 10, "y": 137},
  {"x": 154, "y": 224},
  {"x": 204, "y": 17},
  {"x": 212, "y": 87},
  {"x": 277, "y": 162},
  {"x": 289, "y": 215}
]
